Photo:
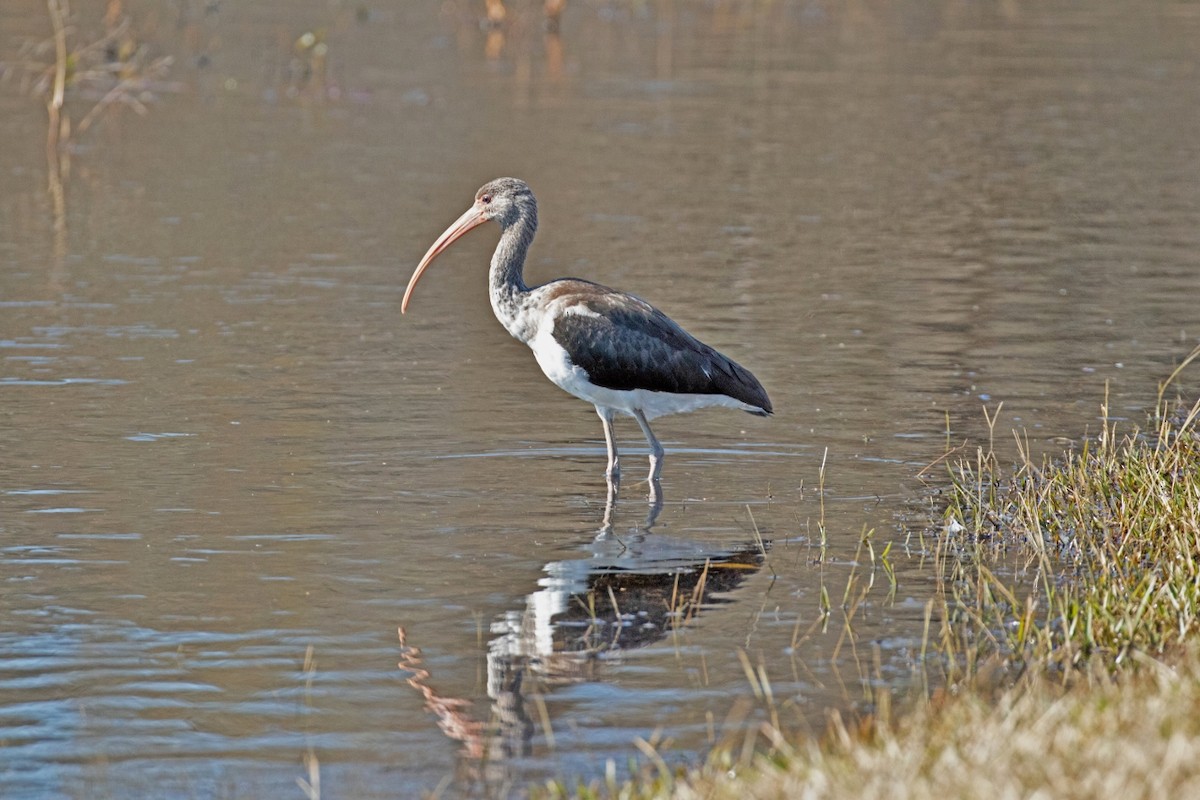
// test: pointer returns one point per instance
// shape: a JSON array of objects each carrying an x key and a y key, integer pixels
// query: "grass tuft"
[{"x": 1087, "y": 558}]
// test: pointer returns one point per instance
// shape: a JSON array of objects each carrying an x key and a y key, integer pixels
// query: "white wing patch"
[{"x": 581, "y": 310}]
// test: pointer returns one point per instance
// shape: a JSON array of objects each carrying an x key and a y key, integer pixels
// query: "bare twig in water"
[{"x": 113, "y": 65}]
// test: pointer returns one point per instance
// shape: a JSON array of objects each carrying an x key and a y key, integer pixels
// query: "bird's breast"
[{"x": 517, "y": 314}]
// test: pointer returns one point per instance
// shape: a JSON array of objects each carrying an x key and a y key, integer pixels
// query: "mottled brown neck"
[{"x": 507, "y": 289}]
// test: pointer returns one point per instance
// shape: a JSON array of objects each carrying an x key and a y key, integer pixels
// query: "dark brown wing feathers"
[{"x": 625, "y": 343}]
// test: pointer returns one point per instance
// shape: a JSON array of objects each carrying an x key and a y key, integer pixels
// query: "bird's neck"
[{"x": 508, "y": 291}]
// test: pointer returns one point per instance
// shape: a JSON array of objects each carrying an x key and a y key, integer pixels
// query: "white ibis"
[{"x": 612, "y": 349}]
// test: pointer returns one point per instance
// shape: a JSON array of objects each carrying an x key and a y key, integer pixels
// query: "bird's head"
[{"x": 505, "y": 200}]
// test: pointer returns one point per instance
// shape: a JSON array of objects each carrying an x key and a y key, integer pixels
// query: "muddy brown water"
[{"x": 230, "y": 470}]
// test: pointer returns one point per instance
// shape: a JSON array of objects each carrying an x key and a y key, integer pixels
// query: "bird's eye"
[{"x": 486, "y": 199}]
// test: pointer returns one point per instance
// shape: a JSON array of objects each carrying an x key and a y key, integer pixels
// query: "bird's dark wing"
[{"x": 624, "y": 343}]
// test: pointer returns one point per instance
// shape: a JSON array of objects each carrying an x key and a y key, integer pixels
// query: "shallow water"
[{"x": 231, "y": 470}]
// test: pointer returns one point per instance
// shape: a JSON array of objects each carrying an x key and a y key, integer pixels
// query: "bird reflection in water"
[
  {"x": 624, "y": 592},
  {"x": 496, "y": 13},
  {"x": 498, "y": 19}
]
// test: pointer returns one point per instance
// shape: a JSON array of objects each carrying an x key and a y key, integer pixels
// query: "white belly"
[{"x": 557, "y": 366}]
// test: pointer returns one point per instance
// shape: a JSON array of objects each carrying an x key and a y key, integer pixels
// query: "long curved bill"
[{"x": 473, "y": 218}]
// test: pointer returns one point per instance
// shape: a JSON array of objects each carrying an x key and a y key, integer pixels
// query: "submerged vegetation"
[
  {"x": 109, "y": 69},
  {"x": 1075, "y": 674},
  {"x": 74, "y": 68}
]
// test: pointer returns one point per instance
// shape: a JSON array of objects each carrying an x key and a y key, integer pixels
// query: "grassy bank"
[
  {"x": 1109, "y": 536},
  {"x": 1137, "y": 737},
  {"x": 1073, "y": 674}
]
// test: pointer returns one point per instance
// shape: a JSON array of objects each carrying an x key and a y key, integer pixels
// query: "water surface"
[{"x": 231, "y": 471}]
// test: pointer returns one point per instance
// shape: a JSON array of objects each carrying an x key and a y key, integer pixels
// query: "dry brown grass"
[{"x": 1135, "y": 738}]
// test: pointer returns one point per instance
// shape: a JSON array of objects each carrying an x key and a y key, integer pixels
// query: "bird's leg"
[
  {"x": 656, "y": 449},
  {"x": 613, "y": 473}
]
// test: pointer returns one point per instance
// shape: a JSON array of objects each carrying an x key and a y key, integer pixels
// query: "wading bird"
[{"x": 612, "y": 349}]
